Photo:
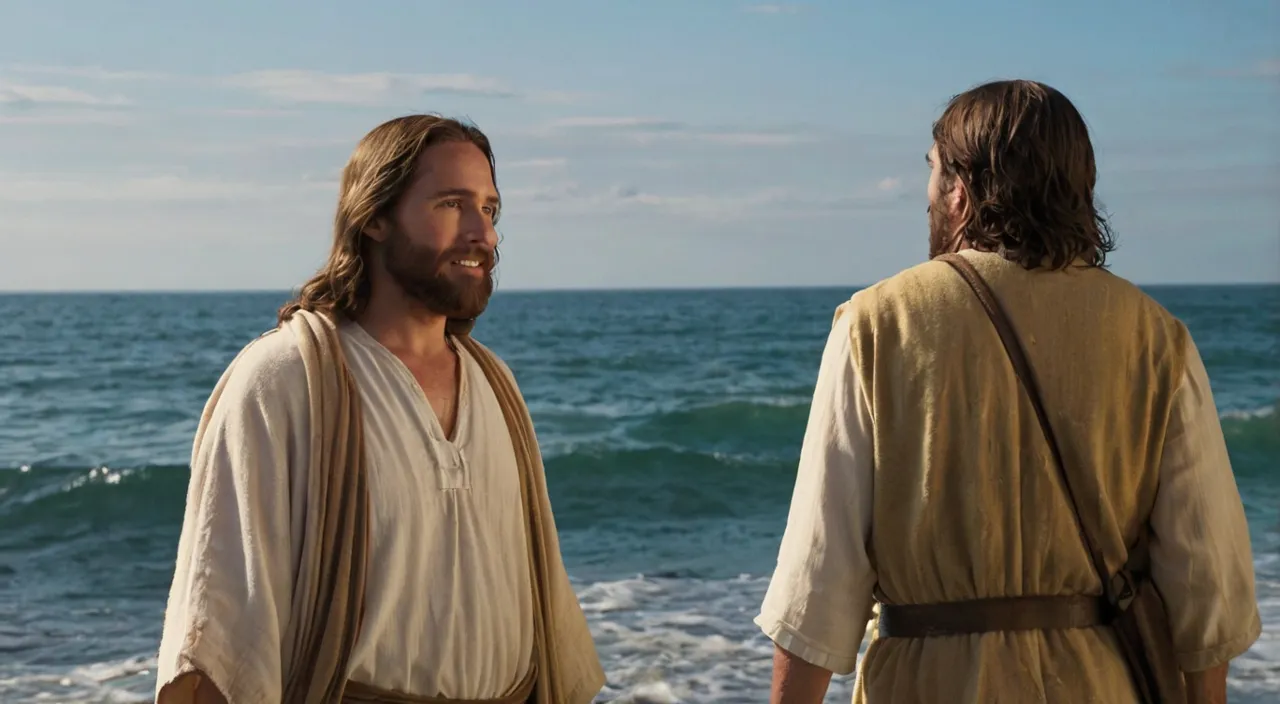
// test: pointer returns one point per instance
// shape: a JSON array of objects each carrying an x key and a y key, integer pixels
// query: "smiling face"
[{"x": 439, "y": 244}]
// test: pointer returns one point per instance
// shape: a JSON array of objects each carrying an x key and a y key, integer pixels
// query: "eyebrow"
[{"x": 465, "y": 193}]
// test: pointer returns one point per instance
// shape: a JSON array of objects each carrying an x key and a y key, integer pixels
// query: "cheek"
[{"x": 427, "y": 227}]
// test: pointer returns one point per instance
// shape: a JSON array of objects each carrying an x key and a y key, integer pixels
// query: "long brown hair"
[
  {"x": 377, "y": 174},
  {"x": 1022, "y": 155}
]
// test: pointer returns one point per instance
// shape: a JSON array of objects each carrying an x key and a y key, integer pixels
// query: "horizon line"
[{"x": 571, "y": 289}]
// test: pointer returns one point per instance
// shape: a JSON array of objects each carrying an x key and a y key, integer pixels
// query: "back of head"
[
  {"x": 1023, "y": 158},
  {"x": 379, "y": 171}
]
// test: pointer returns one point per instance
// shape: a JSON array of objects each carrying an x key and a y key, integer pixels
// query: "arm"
[
  {"x": 796, "y": 681},
  {"x": 194, "y": 688},
  {"x": 231, "y": 593},
  {"x": 819, "y": 599},
  {"x": 1208, "y": 686},
  {"x": 1201, "y": 559}
]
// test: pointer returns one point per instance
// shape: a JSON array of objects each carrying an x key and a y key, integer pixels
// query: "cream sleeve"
[
  {"x": 819, "y": 599},
  {"x": 230, "y": 597},
  {"x": 1201, "y": 559}
]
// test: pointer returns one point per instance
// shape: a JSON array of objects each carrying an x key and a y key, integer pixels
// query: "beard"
[
  {"x": 423, "y": 274},
  {"x": 943, "y": 239}
]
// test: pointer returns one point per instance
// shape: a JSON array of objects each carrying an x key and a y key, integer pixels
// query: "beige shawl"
[{"x": 328, "y": 594}]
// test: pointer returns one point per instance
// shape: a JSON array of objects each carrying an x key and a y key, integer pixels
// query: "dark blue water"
[{"x": 671, "y": 422}]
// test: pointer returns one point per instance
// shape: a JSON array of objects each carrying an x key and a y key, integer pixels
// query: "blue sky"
[{"x": 180, "y": 145}]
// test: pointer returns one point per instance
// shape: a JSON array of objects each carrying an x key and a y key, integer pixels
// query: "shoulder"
[
  {"x": 1157, "y": 328},
  {"x": 270, "y": 369},
  {"x": 924, "y": 286}
]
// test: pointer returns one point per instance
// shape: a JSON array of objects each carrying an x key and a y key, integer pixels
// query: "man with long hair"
[
  {"x": 979, "y": 500},
  {"x": 367, "y": 518}
]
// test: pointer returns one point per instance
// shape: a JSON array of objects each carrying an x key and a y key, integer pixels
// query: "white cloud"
[
  {"x": 300, "y": 86},
  {"x": 648, "y": 130},
  {"x": 65, "y": 117},
  {"x": 605, "y": 122},
  {"x": 753, "y": 139},
  {"x": 62, "y": 188},
  {"x": 571, "y": 198},
  {"x": 773, "y": 9},
  {"x": 556, "y": 97},
  {"x": 251, "y": 112},
  {"x": 310, "y": 86},
  {"x": 23, "y": 95},
  {"x": 546, "y": 163},
  {"x": 1268, "y": 68},
  {"x": 93, "y": 73}
]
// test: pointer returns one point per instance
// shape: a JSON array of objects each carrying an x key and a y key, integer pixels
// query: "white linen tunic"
[{"x": 448, "y": 600}]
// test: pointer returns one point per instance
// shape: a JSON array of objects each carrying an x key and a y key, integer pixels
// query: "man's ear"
[
  {"x": 958, "y": 200},
  {"x": 377, "y": 229}
]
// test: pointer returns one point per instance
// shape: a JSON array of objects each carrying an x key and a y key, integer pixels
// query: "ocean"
[{"x": 671, "y": 422}]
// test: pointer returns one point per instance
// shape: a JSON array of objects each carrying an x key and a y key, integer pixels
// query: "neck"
[{"x": 402, "y": 325}]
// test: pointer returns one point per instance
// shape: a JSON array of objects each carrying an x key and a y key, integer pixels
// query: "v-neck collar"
[{"x": 460, "y": 403}]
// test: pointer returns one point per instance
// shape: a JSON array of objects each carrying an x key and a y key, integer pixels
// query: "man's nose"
[{"x": 481, "y": 230}]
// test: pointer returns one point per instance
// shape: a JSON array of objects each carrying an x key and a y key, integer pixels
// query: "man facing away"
[
  {"x": 448, "y": 611},
  {"x": 925, "y": 478}
]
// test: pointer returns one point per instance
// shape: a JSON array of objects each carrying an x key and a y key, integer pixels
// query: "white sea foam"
[
  {"x": 678, "y": 641},
  {"x": 1247, "y": 413},
  {"x": 662, "y": 641},
  {"x": 686, "y": 641},
  {"x": 128, "y": 681}
]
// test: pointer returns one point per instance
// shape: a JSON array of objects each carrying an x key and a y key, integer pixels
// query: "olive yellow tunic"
[{"x": 924, "y": 471}]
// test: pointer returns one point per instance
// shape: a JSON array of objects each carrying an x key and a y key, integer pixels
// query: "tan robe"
[
  {"x": 447, "y": 607},
  {"x": 924, "y": 471}
]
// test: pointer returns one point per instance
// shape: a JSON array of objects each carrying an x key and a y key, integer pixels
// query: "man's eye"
[{"x": 452, "y": 203}]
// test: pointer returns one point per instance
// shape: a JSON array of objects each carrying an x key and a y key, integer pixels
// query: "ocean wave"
[
  {"x": 759, "y": 427},
  {"x": 1248, "y": 414},
  {"x": 728, "y": 459},
  {"x": 99, "y": 495}
]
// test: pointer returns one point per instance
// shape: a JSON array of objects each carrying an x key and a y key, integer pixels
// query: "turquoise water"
[{"x": 671, "y": 422}]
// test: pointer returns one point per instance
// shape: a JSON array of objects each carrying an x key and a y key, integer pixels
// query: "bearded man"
[
  {"x": 979, "y": 504},
  {"x": 367, "y": 518}
]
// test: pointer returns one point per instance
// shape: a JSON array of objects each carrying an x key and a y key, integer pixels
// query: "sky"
[{"x": 167, "y": 145}]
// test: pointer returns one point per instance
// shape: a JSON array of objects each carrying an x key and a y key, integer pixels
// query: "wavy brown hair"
[
  {"x": 379, "y": 171},
  {"x": 1022, "y": 155}
]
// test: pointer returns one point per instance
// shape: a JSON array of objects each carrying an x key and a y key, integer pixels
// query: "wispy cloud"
[
  {"x": 301, "y": 86},
  {"x": 92, "y": 73},
  {"x": 541, "y": 164},
  {"x": 787, "y": 9},
  {"x": 161, "y": 188},
  {"x": 571, "y": 198},
  {"x": 25, "y": 95},
  {"x": 63, "y": 117},
  {"x": 250, "y": 112},
  {"x": 604, "y": 122},
  {"x": 298, "y": 86},
  {"x": 647, "y": 130},
  {"x": 1265, "y": 69}
]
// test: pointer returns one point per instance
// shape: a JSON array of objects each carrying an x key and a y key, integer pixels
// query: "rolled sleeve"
[
  {"x": 1201, "y": 559},
  {"x": 819, "y": 598}
]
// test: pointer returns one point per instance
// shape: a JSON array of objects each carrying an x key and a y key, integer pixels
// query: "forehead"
[{"x": 454, "y": 165}]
